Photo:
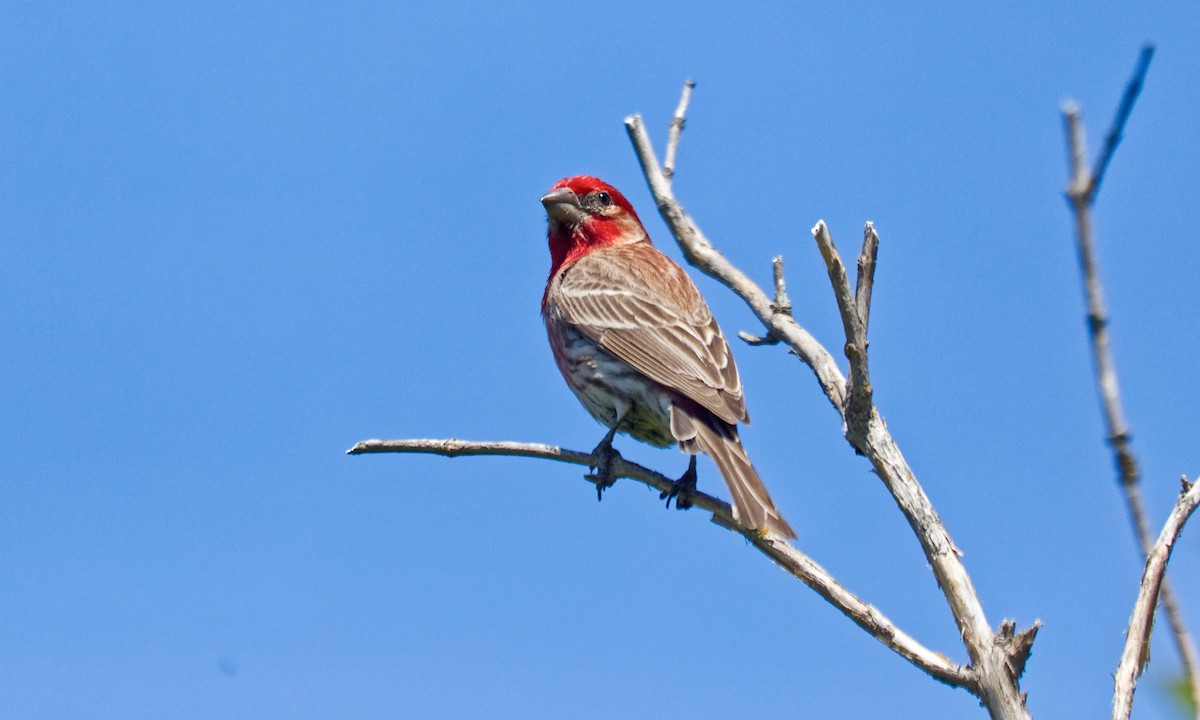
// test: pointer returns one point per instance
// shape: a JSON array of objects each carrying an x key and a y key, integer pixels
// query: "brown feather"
[
  {"x": 752, "y": 505},
  {"x": 643, "y": 308}
]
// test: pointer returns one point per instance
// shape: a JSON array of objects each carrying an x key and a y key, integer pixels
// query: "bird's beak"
[{"x": 562, "y": 205}]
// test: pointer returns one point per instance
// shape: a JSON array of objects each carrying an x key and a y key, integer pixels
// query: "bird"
[{"x": 639, "y": 347}]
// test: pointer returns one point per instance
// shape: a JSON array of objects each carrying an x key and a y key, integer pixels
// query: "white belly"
[{"x": 609, "y": 388}]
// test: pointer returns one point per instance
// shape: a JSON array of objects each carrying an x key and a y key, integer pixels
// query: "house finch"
[{"x": 639, "y": 347}]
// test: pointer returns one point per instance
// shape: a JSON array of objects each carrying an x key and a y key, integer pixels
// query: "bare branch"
[
  {"x": 781, "y": 305},
  {"x": 1077, "y": 189},
  {"x": 864, "y": 615},
  {"x": 701, "y": 254},
  {"x": 1017, "y": 645},
  {"x": 1137, "y": 640},
  {"x": 1110, "y": 393},
  {"x": 796, "y": 563},
  {"x": 997, "y": 686},
  {"x": 858, "y": 391},
  {"x": 1113, "y": 138},
  {"x": 621, "y": 467},
  {"x": 847, "y": 307},
  {"x": 752, "y": 339},
  {"x": 866, "y": 274},
  {"x": 1081, "y": 194},
  {"x": 677, "y": 124}
]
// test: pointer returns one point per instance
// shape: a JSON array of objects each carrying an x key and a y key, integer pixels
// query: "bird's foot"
[
  {"x": 601, "y": 464},
  {"x": 682, "y": 489}
]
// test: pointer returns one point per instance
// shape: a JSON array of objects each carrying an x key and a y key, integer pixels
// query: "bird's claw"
[
  {"x": 681, "y": 490},
  {"x": 601, "y": 464}
]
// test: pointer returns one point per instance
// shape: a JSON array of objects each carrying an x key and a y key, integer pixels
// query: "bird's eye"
[{"x": 604, "y": 198}]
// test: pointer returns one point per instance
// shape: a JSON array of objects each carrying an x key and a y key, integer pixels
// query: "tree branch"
[
  {"x": 1115, "y": 132},
  {"x": 991, "y": 656},
  {"x": 846, "y": 302},
  {"x": 799, "y": 565},
  {"x": 701, "y": 254},
  {"x": 677, "y": 123},
  {"x": 858, "y": 390},
  {"x": 1081, "y": 194},
  {"x": 781, "y": 305},
  {"x": 866, "y": 274},
  {"x": 1141, "y": 622},
  {"x": 1106, "y": 374}
]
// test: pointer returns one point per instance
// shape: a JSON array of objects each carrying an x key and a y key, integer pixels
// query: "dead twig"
[{"x": 1081, "y": 194}]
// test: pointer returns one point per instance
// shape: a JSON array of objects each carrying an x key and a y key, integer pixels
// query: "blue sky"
[{"x": 236, "y": 238}]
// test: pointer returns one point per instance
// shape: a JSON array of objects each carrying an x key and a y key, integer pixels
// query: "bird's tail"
[{"x": 752, "y": 505}]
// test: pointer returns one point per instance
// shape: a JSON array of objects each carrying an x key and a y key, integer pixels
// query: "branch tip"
[
  {"x": 750, "y": 339},
  {"x": 1117, "y": 129},
  {"x": 676, "y": 129},
  {"x": 1017, "y": 646},
  {"x": 866, "y": 277},
  {"x": 782, "y": 304},
  {"x": 1141, "y": 621}
]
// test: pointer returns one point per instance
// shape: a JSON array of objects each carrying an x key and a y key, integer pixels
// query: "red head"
[{"x": 587, "y": 213}]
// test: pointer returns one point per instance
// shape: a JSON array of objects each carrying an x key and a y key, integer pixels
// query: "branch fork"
[
  {"x": 780, "y": 306},
  {"x": 991, "y": 678},
  {"x": 854, "y": 306},
  {"x": 1081, "y": 192}
]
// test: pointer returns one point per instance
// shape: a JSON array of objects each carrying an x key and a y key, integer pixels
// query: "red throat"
[
  {"x": 568, "y": 245},
  {"x": 569, "y": 242}
]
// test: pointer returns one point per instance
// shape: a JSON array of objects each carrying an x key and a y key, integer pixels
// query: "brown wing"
[{"x": 643, "y": 308}]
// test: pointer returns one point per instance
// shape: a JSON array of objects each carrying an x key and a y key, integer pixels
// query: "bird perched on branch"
[{"x": 639, "y": 347}]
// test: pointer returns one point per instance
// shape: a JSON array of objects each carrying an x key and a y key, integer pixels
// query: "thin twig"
[
  {"x": 847, "y": 307},
  {"x": 861, "y": 395},
  {"x": 1017, "y": 645},
  {"x": 781, "y": 304},
  {"x": 1106, "y": 374},
  {"x": 991, "y": 657},
  {"x": 796, "y": 563},
  {"x": 1113, "y": 138},
  {"x": 858, "y": 391},
  {"x": 1141, "y": 622},
  {"x": 1081, "y": 194},
  {"x": 756, "y": 340},
  {"x": 677, "y": 123},
  {"x": 866, "y": 274},
  {"x": 1184, "y": 644}
]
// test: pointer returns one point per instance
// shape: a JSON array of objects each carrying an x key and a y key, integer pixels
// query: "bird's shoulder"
[
  {"x": 639, "y": 305},
  {"x": 636, "y": 274}
]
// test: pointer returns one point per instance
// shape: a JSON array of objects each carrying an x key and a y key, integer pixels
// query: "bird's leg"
[
  {"x": 602, "y": 462},
  {"x": 682, "y": 488}
]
